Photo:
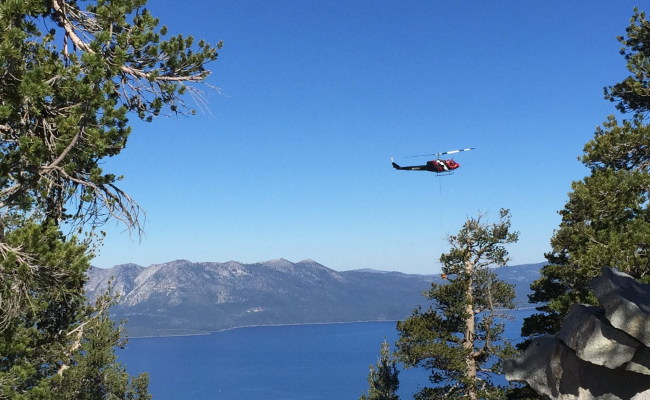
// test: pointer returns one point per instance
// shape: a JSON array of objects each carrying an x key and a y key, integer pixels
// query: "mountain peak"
[
  {"x": 180, "y": 261},
  {"x": 311, "y": 263},
  {"x": 278, "y": 263}
]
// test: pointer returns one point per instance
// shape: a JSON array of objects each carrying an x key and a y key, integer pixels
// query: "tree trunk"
[{"x": 470, "y": 331}]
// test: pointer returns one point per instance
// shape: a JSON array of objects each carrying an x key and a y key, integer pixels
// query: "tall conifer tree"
[
  {"x": 606, "y": 221},
  {"x": 383, "y": 379},
  {"x": 71, "y": 73},
  {"x": 457, "y": 337}
]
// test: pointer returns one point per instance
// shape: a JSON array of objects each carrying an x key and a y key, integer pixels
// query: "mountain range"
[{"x": 182, "y": 297}]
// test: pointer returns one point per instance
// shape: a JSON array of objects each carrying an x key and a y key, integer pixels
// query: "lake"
[{"x": 295, "y": 362}]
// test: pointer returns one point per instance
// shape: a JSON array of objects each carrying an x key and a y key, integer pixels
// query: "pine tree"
[
  {"x": 633, "y": 93},
  {"x": 69, "y": 79},
  {"x": 457, "y": 337},
  {"x": 383, "y": 379},
  {"x": 606, "y": 221}
]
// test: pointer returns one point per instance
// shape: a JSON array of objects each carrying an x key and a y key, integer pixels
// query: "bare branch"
[{"x": 64, "y": 153}]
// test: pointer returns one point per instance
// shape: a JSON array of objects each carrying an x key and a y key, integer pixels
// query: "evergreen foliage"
[
  {"x": 383, "y": 380},
  {"x": 71, "y": 72},
  {"x": 606, "y": 221},
  {"x": 458, "y": 337},
  {"x": 632, "y": 94}
]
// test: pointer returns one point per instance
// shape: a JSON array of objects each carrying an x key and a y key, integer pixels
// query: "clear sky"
[{"x": 291, "y": 159}]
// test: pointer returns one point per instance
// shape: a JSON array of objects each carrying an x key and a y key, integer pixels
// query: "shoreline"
[
  {"x": 203, "y": 333},
  {"x": 258, "y": 326}
]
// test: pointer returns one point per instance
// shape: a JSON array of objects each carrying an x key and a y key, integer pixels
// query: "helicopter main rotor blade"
[
  {"x": 440, "y": 154},
  {"x": 456, "y": 151}
]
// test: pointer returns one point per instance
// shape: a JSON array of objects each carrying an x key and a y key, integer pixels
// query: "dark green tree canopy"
[
  {"x": 383, "y": 379},
  {"x": 606, "y": 220},
  {"x": 70, "y": 76},
  {"x": 71, "y": 73},
  {"x": 617, "y": 147},
  {"x": 633, "y": 93}
]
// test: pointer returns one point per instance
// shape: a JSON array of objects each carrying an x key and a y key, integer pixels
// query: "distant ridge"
[{"x": 182, "y": 297}]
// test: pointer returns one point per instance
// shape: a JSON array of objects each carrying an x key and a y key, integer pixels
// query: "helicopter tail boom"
[{"x": 413, "y": 168}]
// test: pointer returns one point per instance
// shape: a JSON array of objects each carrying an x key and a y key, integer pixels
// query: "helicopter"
[{"x": 439, "y": 166}]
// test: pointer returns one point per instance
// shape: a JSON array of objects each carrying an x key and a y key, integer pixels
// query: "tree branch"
[{"x": 58, "y": 6}]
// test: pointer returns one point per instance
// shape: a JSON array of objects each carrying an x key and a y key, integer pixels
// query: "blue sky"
[{"x": 291, "y": 158}]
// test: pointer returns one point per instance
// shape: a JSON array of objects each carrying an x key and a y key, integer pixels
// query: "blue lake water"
[{"x": 297, "y": 362}]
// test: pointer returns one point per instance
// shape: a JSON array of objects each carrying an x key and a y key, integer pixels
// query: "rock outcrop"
[{"x": 600, "y": 353}]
